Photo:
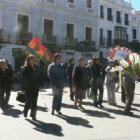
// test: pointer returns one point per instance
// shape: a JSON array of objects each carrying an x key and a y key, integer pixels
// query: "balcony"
[
  {"x": 110, "y": 18},
  {"x": 90, "y": 43},
  {"x": 126, "y": 22},
  {"x": 49, "y": 39},
  {"x": 120, "y": 41},
  {"x": 23, "y": 38},
  {"x": 102, "y": 42},
  {"x": 90, "y": 10},
  {"x": 71, "y": 41},
  {"x": 71, "y": 5},
  {"x": 51, "y": 1},
  {"x": 110, "y": 42}
]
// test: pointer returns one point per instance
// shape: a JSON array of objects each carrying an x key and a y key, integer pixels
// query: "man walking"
[{"x": 98, "y": 73}]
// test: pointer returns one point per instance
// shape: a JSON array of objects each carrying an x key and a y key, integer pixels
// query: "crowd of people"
[{"x": 84, "y": 79}]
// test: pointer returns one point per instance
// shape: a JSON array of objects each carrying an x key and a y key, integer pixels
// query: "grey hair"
[{"x": 2, "y": 61}]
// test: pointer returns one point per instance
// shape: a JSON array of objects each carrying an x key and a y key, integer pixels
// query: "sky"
[{"x": 135, "y": 4}]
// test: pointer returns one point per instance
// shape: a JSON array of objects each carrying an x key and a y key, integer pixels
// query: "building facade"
[{"x": 66, "y": 24}]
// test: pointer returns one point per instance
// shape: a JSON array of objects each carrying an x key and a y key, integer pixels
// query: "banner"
[{"x": 36, "y": 48}]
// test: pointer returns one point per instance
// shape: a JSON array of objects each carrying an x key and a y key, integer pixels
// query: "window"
[
  {"x": 70, "y": 30},
  {"x": 23, "y": 23},
  {"x": 89, "y": 33},
  {"x": 126, "y": 22},
  {"x": 0, "y": 18},
  {"x": 120, "y": 33},
  {"x": 48, "y": 27},
  {"x": 71, "y": 1},
  {"x": 109, "y": 14},
  {"x": 109, "y": 37},
  {"x": 101, "y": 12},
  {"x": 89, "y": 3},
  {"x": 118, "y": 17},
  {"x": 134, "y": 33},
  {"x": 101, "y": 36}
]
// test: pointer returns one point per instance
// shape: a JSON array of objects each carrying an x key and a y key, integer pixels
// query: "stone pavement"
[{"x": 89, "y": 124}]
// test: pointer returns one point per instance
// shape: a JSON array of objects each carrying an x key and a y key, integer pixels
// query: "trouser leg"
[
  {"x": 94, "y": 92},
  {"x": 28, "y": 102},
  {"x": 7, "y": 97},
  {"x": 34, "y": 104},
  {"x": 54, "y": 103},
  {"x": 123, "y": 94},
  {"x": 59, "y": 103},
  {"x": 129, "y": 90},
  {"x": 100, "y": 100},
  {"x": 109, "y": 94},
  {"x": 71, "y": 92},
  {"x": 2, "y": 98}
]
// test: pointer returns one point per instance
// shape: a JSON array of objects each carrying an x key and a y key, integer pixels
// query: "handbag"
[{"x": 21, "y": 97}]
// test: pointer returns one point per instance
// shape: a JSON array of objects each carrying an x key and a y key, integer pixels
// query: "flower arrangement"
[{"x": 131, "y": 66}]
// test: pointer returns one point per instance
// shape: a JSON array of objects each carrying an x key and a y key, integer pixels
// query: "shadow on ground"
[
  {"x": 39, "y": 108},
  {"x": 15, "y": 113},
  {"x": 75, "y": 120},
  {"x": 47, "y": 128},
  {"x": 99, "y": 114}
]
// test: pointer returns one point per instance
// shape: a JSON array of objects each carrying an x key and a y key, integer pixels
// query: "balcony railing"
[
  {"x": 23, "y": 38},
  {"x": 50, "y": 1},
  {"x": 90, "y": 10},
  {"x": 110, "y": 18},
  {"x": 126, "y": 22},
  {"x": 71, "y": 5},
  {"x": 49, "y": 39},
  {"x": 71, "y": 41},
  {"x": 120, "y": 41},
  {"x": 102, "y": 42},
  {"x": 90, "y": 43}
]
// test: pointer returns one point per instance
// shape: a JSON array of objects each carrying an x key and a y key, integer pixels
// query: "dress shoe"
[
  {"x": 52, "y": 112},
  {"x": 59, "y": 113},
  {"x": 128, "y": 113}
]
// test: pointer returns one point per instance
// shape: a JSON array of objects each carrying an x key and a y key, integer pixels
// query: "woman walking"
[
  {"x": 57, "y": 75},
  {"x": 80, "y": 81},
  {"x": 31, "y": 83},
  {"x": 110, "y": 83}
]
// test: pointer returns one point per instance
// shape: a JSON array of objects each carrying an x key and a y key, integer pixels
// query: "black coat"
[
  {"x": 80, "y": 77},
  {"x": 6, "y": 78},
  {"x": 31, "y": 78},
  {"x": 69, "y": 73},
  {"x": 98, "y": 71}
]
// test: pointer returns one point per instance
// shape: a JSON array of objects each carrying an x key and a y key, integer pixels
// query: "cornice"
[
  {"x": 116, "y": 4},
  {"x": 24, "y": 9},
  {"x": 57, "y": 8}
]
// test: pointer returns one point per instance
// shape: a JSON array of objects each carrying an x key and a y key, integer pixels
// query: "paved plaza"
[{"x": 92, "y": 123}]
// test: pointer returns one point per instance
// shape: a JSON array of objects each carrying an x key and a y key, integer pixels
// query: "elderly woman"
[
  {"x": 31, "y": 82},
  {"x": 5, "y": 84},
  {"x": 110, "y": 84},
  {"x": 80, "y": 81}
]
